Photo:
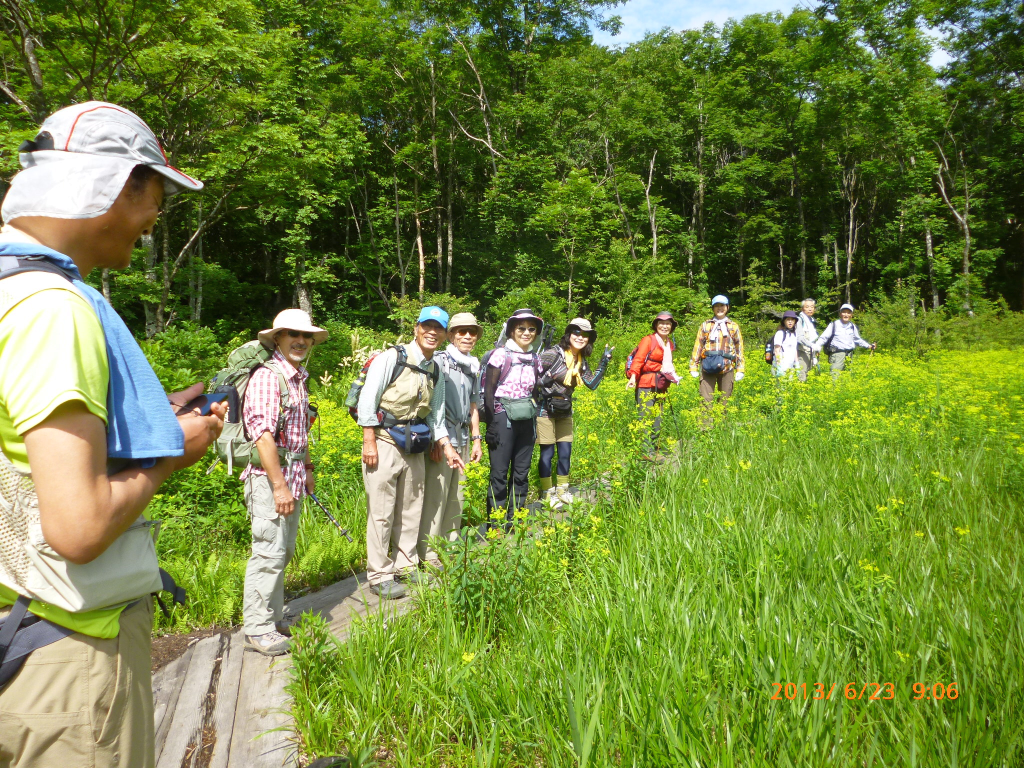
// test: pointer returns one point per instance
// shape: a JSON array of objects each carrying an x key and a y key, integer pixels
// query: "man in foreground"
[
  {"x": 86, "y": 433},
  {"x": 275, "y": 489},
  {"x": 401, "y": 410}
]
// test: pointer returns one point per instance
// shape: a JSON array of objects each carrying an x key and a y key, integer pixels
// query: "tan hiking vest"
[
  {"x": 125, "y": 571},
  {"x": 409, "y": 397}
]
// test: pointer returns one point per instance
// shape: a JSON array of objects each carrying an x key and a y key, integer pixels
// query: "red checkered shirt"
[{"x": 261, "y": 410}]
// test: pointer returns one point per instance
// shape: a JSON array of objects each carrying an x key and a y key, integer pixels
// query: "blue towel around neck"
[{"x": 140, "y": 422}]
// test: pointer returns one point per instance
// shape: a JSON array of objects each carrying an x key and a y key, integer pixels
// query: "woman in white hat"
[
  {"x": 564, "y": 367},
  {"x": 274, "y": 493}
]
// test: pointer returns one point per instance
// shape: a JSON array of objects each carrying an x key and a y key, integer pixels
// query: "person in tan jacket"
[{"x": 401, "y": 410}]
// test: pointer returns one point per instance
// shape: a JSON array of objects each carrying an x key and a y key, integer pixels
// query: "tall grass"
[{"x": 867, "y": 531}]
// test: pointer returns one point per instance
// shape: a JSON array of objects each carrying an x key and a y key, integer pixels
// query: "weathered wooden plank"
[
  {"x": 187, "y": 721},
  {"x": 262, "y": 707},
  {"x": 167, "y": 684},
  {"x": 227, "y": 698}
]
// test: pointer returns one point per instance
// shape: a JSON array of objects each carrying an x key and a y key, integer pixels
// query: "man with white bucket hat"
[
  {"x": 87, "y": 436},
  {"x": 274, "y": 493}
]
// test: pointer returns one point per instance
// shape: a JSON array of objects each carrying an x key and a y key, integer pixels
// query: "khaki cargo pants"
[
  {"x": 394, "y": 506},
  {"x": 83, "y": 702},
  {"x": 442, "y": 503}
]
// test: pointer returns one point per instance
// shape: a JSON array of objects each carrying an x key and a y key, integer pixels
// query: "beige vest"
[
  {"x": 124, "y": 572},
  {"x": 409, "y": 397}
]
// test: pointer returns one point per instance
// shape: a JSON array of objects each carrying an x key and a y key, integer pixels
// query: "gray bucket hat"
[
  {"x": 584, "y": 327},
  {"x": 464, "y": 320}
]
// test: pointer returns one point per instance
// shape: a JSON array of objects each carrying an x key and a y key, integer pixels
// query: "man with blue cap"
[{"x": 402, "y": 412}]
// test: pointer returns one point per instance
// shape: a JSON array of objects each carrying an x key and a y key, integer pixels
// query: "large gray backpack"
[{"x": 234, "y": 446}]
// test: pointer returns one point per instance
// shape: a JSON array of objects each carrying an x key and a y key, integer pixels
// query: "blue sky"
[{"x": 642, "y": 16}]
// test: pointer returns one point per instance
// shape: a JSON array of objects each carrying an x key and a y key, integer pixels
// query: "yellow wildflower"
[{"x": 467, "y": 657}]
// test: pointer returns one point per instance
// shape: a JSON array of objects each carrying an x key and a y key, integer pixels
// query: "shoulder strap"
[{"x": 16, "y": 265}]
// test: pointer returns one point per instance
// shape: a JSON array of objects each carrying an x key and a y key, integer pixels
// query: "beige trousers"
[
  {"x": 805, "y": 361},
  {"x": 394, "y": 506},
  {"x": 442, "y": 503},
  {"x": 83, "y": 702},
  {"x": 273, "y": 545}
]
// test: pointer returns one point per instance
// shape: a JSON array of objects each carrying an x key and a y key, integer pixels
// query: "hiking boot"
[
  {"x": 562, "y": 491},
  {"x": 552, "y": 499},
  {"x": 272, "y": 643},
  {"x": 388, "y": 590},
  {"x": 283, "y": 628},
  {"x": 416, "y": 578}
]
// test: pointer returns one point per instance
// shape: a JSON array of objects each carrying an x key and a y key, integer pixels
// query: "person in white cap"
[
  {"x": 839, "y": 339},
  {"x": 274, "y": 493},
  {"x": 442, "y": 495},
  {"x": 717, "y": 358},
  {"x": 87, "y": 436}
]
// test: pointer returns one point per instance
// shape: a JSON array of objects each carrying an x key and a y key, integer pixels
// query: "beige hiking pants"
[
  {"x": 83, "y": 702},
  {"x": 273, "y": 545},
  {"x": 394, "y": 506},
  {"x": 442, "y": 503}
]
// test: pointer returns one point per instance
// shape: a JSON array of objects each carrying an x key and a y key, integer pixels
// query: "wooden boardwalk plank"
[
  {"x": 187, "y": 721},
  {"x": 167, "y": 684},
  {"x": 262, "y": 706},
  {"x": 227, "y": 696}
]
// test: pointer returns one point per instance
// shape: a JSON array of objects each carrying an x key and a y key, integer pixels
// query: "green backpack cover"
[{"x": 234, "y": 447}]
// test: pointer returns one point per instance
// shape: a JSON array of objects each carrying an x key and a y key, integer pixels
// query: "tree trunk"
[
  {"x": 451, "y": 218},
  {"x": 652, "y": 210},
  {"x": 931, "y": 262},
  {"x": 615, "y": 188},
  {"x": 419, "y": 235},
  {"x": 398, "y": 243},
  {"x": 105, "y": 282},
  {"x": 798, "y": 193}
]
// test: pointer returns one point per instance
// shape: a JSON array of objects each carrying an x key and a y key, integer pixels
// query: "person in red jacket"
[{"x": 651, "y": 373}]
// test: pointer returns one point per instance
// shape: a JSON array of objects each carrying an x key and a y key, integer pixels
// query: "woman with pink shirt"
[{"x": 509, "y": 380}]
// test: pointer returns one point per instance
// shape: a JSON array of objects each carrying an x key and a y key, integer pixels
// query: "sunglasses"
[
  {"x": 578, "y": 334},
  {"x": 526, "y": 329},
  {"x": 303, "y": 334}
]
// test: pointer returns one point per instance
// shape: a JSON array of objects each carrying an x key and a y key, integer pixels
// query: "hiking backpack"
[
  {"x": 356, "y": 388},
  {"x": 234, "y": 446}
]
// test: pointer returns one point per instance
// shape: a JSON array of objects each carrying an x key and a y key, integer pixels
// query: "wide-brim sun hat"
[
  {"x": 464, "y": 320},
  {"x": 583, "y": 326},
  {"x": 292, "y": 320},
  {"x": 663, "y": 316},
  {"x": 80, "y": 160},
  {"x": 721, "y": 299},
  {"x": 522, "y": 314}
]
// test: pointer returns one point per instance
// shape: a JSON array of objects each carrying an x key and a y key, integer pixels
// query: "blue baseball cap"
[
  {"x": 720, "y": 299},
  {"x": 436, "y": 314}
]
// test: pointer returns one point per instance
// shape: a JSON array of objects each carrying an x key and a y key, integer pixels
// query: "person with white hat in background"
[
  {"x": 442, "y": 496},
  {"x": 840, "y": 338},
  {"x": 87, "y": 436},
  {"x": 564, "y": 367},
  {"x": 274, "y": 493},
  {"x": 806, "y": 335},
  {"x": 401, "y": 409},
  {"x": 717, "y": 358}
]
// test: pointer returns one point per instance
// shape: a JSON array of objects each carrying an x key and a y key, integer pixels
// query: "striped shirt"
[{"x": 262, "y": 408}]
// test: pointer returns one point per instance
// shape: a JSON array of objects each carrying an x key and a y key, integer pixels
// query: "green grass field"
[{"x": 716, "y": 612}]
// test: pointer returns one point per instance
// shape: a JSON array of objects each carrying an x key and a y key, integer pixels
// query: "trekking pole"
[{"x": 327, "y": 512}]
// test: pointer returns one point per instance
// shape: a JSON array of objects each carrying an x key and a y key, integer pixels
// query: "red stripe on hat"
[{"x": 94, "y": 109}]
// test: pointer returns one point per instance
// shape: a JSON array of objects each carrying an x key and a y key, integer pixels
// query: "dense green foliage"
[
  {"x": 360, "y": 153},
  {"x": 861, "y": 532}
]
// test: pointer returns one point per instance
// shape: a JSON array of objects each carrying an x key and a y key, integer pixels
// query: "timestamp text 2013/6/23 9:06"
[{"x": 863, "y": 691}]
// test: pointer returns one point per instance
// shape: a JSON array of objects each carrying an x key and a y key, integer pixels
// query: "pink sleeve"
[
  {"x": 497, "y": 358},
  {"x": 262, "y": 403}
]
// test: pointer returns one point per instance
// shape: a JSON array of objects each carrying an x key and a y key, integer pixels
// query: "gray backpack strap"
[{"x": 18, "y": 641}]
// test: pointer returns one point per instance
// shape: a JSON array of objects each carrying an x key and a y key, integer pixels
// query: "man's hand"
[
  {"x": 454, "y": 460},
  {"x": 179, "y": 399},
  {"x": 310, "y": 480},
  {"x": 476, "y": 453},
  {"x": 369, "y": 448},
  {"x": 200, "y": 434},
  {"x": 284, "y": 502},
  {"x": 436, "y": 451},
  {"x": 739, "y": 376},
  {"x": 695, "y": 374}
]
